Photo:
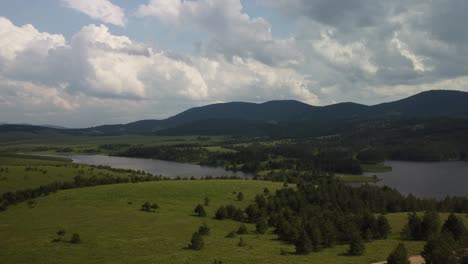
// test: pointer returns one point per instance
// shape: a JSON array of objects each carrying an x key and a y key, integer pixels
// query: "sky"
[{"x": 82, "y": 63}]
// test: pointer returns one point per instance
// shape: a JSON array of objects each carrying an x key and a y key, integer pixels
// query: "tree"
[
  {"x": 382, "y": 228},
  {"x": 221, "y": 213},
  {"x": 356, "y": 247},
  {"x": 261, "y": 226},
  {"x": 242, "y": 229},
  {"x": 399, "y": 255},
  {"x": 303, "y": 244},
  {"x": 430, "y": 225},
  {"x": 413, "y": 230},
  {"x": 204, "y": 230},
  {"x": 75, "y": 239},
  {"x": 316, "y": 238},
  {"x": 442, "y": 249},
  {"x": 146, "y": 207},
  {"x": 200, "y": 211},
  {"x": 241, "y": 242},
  {"x": 240, "y": 196},
  {"x": 196, "y": 243},
  {"x": 207, "y": 201},
  {"x": 455, "y": 227}
]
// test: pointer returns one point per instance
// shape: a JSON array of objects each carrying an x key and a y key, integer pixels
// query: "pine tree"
[
  {"x": 356, "y": 247},
  {"x": 430, "y": 225},
  {"x": 455, "y": 227},
  {"x": 303, "y": 244},
  {"x": 442, "y": 250},
  {"x": 204, "y": 230},
  {"x": 262, "y": 226},
  {"x": 221, "y": 213},
  {"x": 316, "y": 239},
  {"x": 242, "y": 229},
  {"x": 240, "y": 196},
  {"x": 200, "y": 211},
  {"x": 399, "y": 255},
  {"x": 196, "y": 243},
  {"x": 382, "y": 228}
]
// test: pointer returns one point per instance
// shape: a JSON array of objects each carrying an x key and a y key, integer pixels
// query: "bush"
[
  {"x": 75, "y": 239},
  {"x": 196, "y": 243},
  {"x": 221, "y": 213},
  {"x": 242, "y": 229},
  {"x": 200, "y": 211},
  {"x": 399, "y": 255},
  {"x": 240, "y": 196},
  {"x": 241, "y": 242},
  {"x": 204, "y": 230},
  {"x": 303, "y": 244},
  {"x": 356, "y": 247},
  {"x": 261, "y": 226}
]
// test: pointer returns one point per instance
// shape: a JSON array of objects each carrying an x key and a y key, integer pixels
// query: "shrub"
[
  {"x": 75, "y": 239},
  {"x": 241, "y": 242},
  {"x": 240, "y": 196},
  {"x": 399, "y": 255},
  {"x": 231, "y": 234},
  {"x": 261, "y": 226},
  {"x": 221, "y": 213},
  {"x": 204, "y": 230},
  {"x": 242, "y": 229},
  {"x": 196, "y": 243},
  {"x": 200, "y": 211}
]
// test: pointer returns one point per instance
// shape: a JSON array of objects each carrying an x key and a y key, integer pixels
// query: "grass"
[
  {"x": 356, "y": 178},
  {"x": 114, "y": 230},
  {"x": 375, "y": 168}
]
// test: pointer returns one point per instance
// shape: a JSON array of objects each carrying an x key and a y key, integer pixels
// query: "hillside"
[{"x": 277, "y": 118}]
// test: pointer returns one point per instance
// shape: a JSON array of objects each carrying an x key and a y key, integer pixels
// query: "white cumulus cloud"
[{"x": 102, "y": 10}]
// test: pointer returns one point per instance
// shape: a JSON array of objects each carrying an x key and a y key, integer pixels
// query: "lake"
[
  {"x": 157, "y": 167},
  {"x": 422, "y": 179},
  {"x": 427, "y": 179}
]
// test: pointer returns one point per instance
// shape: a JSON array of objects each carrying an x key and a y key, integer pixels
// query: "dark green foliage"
[
  {"x": 221, "y": 213},
  {"x": 455, "y": 227},
  {"x": 75, "y": 238},
  {"x": 371, "y": 156},
  {"x": 148, "y": 207},
  {"x": 413, "y": 230},
  {"x": 399, "y": 255},
  {"x": 241, "y": 242},
  {"x": 430, "y": 225},
  {"x": 242, "y": 229},
  {"x": 315, "y": 238},
  {"x": 329, "y": 234},
  {"x": 261, "y": 226},
  {"x": 231, "y": 234},
  {"x": 356, "y": 246},
  {"x": 266, "y": 191},
  {"x": 204, "y": 230},
  {"x": 196, "y": 243},
  {"x": 303, "y": 244},
  {"x": 217, "y": 261},
  {"x": 200, "y": 211},
  {"x": 443, "y": 249},
  {"x": 240, "y": 196},
  {"x": 206, "y": 201},
  {"x": 382, "y": 228}
]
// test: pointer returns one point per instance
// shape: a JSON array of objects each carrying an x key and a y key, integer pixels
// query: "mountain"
[{"x": 285, "y": 118}]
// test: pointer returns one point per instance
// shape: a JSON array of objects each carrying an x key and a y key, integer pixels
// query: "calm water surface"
[
  {"x": 427, "y": 179},
  {"x": 422, "y": 179},
  {"x": 157, "y": 167}
]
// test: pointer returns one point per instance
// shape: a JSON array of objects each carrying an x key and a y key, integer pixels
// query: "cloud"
[
  {"x": 102, "y": 10},
  {"x": 96, "y": 66}
]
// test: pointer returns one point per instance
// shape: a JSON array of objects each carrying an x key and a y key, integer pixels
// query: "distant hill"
[{"x": 283, "y": 118}]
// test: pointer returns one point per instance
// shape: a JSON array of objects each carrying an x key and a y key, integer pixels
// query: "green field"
[{"x": 113, "y": 229}]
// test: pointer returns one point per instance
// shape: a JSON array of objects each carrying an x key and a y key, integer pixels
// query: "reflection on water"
[
  {"x": 157, "y": 167},
  {"x": 427, "y": 179}
]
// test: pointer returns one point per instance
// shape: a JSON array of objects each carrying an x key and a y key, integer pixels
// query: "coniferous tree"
[
  {"x": 204, "y": 230},
  {"x": 242, "y": 229},
  {"x": 200, "y": 211},
  {"x": 315, "y": 238},
  {"x": 221, "y": 213},
  {"x": 399, "y": 255},
  {"x": 196, "y": 243},
  {"x": 240, "y": 196},
  {"x": 442, "y": 249},
  {"x": 261, "y": 226},
  {"x": 454, "y": 226},
  {"x": 303, "y": 244},
  {"x": 430, "y": 225},
  {"x": 356, "y": 246},
  {"x": 382, "y": 228}
]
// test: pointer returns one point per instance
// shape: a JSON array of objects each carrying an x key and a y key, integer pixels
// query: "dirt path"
[{"x": 412, "y": 259}]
